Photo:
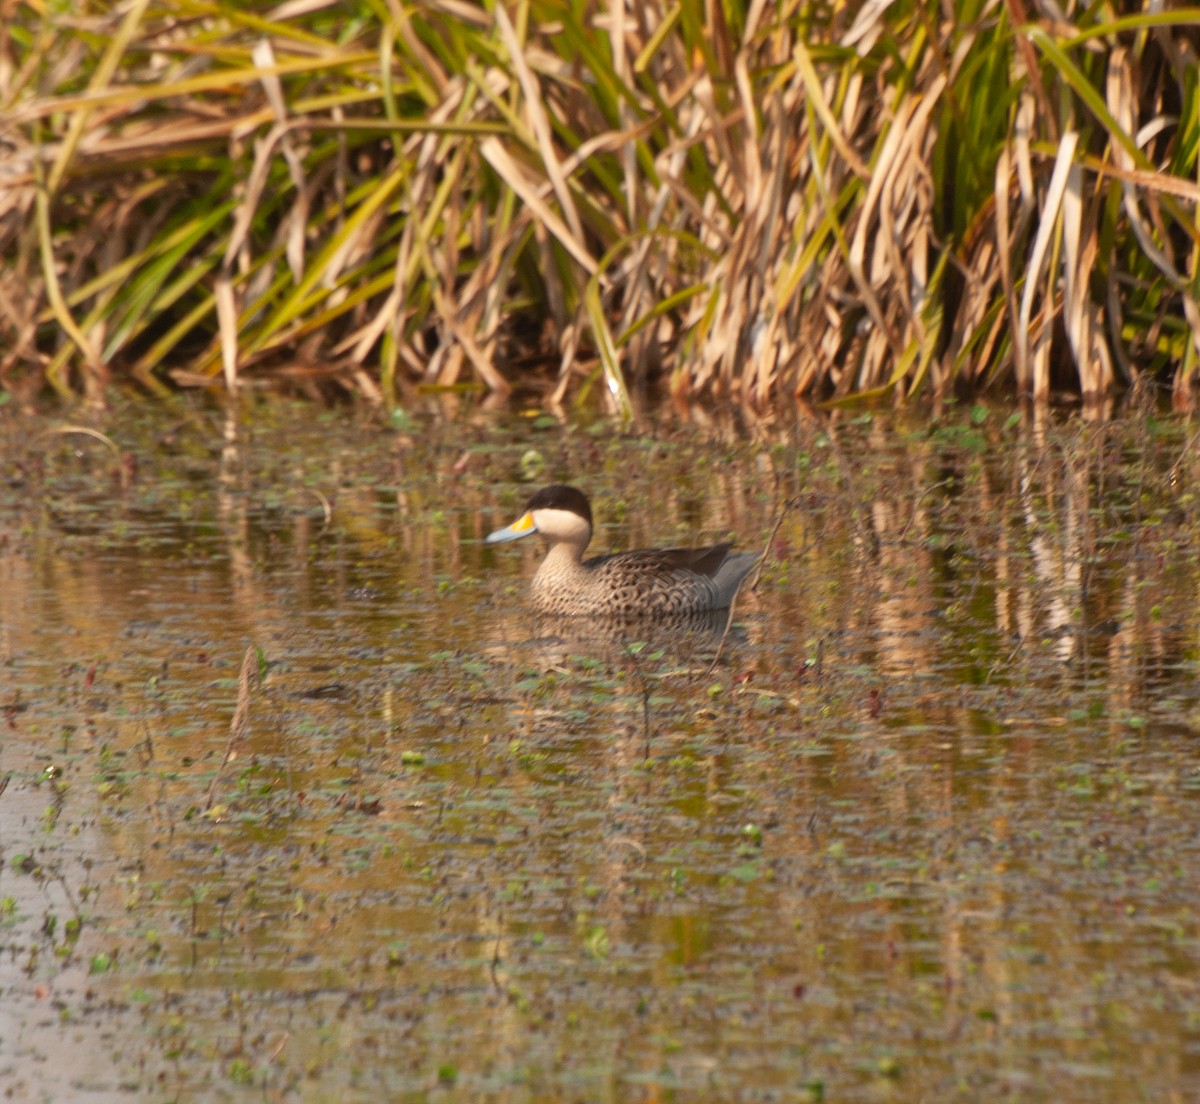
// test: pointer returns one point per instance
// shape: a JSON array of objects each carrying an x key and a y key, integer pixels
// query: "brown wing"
[
  {"x": 703, "y": 561},
  {"x": 658, "y": 561}
]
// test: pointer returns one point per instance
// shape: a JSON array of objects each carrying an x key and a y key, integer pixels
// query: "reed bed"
[{"x": 811, "y": 200}]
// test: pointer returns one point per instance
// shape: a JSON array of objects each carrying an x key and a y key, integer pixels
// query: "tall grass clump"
[{"x": 762, "y": 201}]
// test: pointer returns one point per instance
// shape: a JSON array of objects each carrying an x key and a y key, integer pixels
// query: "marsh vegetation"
[{"x": 750, "y": 201}]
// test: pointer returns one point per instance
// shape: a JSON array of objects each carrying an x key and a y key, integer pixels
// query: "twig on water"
[
  {"x": 789, "y": 504},
  {"x": 237, "y": 727}
]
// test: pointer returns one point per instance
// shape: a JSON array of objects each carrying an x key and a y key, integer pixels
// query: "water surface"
[{"x": 923, "y": 826}]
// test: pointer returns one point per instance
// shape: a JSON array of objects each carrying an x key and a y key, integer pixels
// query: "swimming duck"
[{"x": 652, "y": 582}]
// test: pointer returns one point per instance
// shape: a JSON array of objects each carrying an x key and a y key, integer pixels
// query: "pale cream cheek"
[{"x": 561, "y": 525}]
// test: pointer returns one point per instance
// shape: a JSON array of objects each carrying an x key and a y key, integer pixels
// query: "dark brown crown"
[{"x": 558, "y": 496}]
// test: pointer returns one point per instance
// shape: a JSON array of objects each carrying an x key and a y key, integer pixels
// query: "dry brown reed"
[{"x": 762, "y": 202}]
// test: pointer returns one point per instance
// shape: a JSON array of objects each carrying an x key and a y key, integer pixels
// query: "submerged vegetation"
[{"x": 762, "y": 201}]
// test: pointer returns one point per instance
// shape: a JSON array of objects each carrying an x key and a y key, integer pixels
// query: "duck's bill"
[{"x": 522, "y": 527}]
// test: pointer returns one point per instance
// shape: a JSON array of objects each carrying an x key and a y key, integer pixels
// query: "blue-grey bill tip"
[{"x": 522, "y": 527}]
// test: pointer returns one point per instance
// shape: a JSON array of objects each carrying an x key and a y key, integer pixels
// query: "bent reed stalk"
[{"x": 809, "y": 200}]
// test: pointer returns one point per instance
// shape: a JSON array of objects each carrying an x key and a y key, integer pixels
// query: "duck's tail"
[{"x": 732, "y": 573}]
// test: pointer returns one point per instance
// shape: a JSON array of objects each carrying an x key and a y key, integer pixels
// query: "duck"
[{"x": 647, "y": 583}]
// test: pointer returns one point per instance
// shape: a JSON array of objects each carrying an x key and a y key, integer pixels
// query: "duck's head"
[{"x": 560, "y": 513}]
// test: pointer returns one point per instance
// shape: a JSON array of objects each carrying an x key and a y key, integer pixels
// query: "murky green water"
[{"x": 927, "y": 829}]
